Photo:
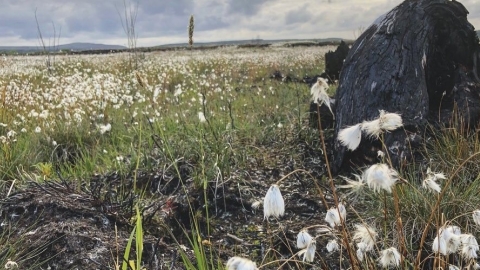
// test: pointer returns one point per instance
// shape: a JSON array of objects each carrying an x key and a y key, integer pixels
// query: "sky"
[{"x": 165, "y": 21}]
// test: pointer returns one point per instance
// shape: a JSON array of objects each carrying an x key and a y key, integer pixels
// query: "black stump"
[{"x": 418, "y": 60}]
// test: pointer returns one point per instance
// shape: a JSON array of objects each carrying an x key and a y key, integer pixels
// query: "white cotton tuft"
[
  {"x": 319, "y": 94},
  {"x": 439, "y": 245},
  {"x": 361, "y": 250},
  {"x": 273, "y": 204},
  {"x": 237, "y": 263},
  {"x": 469, "y": 246},
  {"x": 332, "y": 245},
  {"x": 430, "y": 182},
  {"x": 372, "y": 128},
  {"x": 390, "y": 121},
  {"x": 201, "y": 117},
  {"x": 476, "y": 217},
  {"x": 380, "y": 176},
  {"x": 303, "y": 239},
  {"x": 365, "y": 237},
  {"x": 389, "y": 257},
  {"x": 309, "y": 252},
  {"x": 351, "y": 136},
  {"x": 334, "y": 217}
]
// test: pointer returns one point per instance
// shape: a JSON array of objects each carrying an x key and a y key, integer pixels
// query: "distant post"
[{"x": 191, "y": 26}]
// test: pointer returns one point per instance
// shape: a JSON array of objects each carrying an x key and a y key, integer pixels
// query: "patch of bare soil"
[{"x": 59, "y": 225}]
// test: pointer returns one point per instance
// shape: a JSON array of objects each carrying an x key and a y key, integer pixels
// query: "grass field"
[{"x": 217, "y": 124}]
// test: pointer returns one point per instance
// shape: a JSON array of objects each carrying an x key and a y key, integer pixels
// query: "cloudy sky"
[{"x": 165, "y": 21}]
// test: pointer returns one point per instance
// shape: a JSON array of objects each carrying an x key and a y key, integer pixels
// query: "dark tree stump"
[
  {"x": 334, "y": 61},
  {"x": 418, "y": 60}
]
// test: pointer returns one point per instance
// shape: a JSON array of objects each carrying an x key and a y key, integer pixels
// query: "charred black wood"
[
  {"x": 334, "y": 61},
  {"x": 418, "y": 60},
  {"x": 326, "y": 117}
]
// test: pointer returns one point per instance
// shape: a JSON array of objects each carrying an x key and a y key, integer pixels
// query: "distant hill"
[
  {"x": 78, "y": 46},
  {"x": 250, "y": 41}
]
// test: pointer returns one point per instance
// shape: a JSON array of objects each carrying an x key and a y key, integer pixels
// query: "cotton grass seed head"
[
  {"x": 309, "y": 252},
  {"x": 355, "y": 186},
  {"x": 319, "y": 93},
  {"x": 389, "y": 257},
  {"x": 365, "y": 237},
  {"x": 390, "y": 121},
  {"x": 238, "y": 263},
  {"x": 332, "y": 245},
  {"x": 351, "y": 136},
  {"x": 380, "y": 176},
  {"x": 476, "y": 217},
  {"x": 469, "y": 246},
  {"x": 448, "y": 240},
  {"x": 273, "y": 204},
  {"x": 334, "y": 217},
  {"x": 361, "y": 250},
  {"x": 303, "y": 239},
  {"x": 430, "y": 182},
  {"x": 201, "y": 117},
  {"x": 372, "y": 128}
]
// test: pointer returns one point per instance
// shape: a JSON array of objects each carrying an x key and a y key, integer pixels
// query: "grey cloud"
[
  {"x": 245, "y": 7},
  {"x": 206, "y": 23},
  {"x": 167, "y": 7},
  {"x": 300, "y": 15}
]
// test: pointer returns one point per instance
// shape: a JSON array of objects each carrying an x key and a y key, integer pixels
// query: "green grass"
[{"x": 154, "y": 120}]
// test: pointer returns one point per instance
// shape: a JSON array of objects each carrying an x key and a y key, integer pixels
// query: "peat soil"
[{"x": 62, "y": 224}]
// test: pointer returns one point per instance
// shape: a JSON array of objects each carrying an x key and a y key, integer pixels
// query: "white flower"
[
  {"x": 372, "y": 128},
  {"x": 303, "y": 239},
  {"x": 439, "y": 245},
  {"x": 380, "y": 154},
  {"x": 105, "y": 128},
  {"x": 469, "y": 246},
  {"x": 309, "y": 252},
  {"x": 11, "y": 265},
  {"x": 332, "y": 245},
  {"x": 11, "y": 134},
  {"x": 365, "y": 236},
  {"x": 430, "y": 182},
  {"x": 256, "y": 205},
  {"x": 38, "y": 130},
  {"x": 380, "y": 176},
  {"x": 361, "y": 249},
  {"x": 273, "y": 204},
  {"x": 319, "y": 93},
  {"x": 385, "y": 122},
  {"x": 476, "y": 217},
  {"x": 453, "y": 267},
  {"x": 390, "y": 121},
  {"x": 451, "y": 235},
  {"x": 355, "y": 186},
  {"x": 201, "y": 117},
  {"x": 237, "y": 263},
  {"x": 351, "y": 136},
  {"x": 389, "y": 257},
  {"x": 334, "y": 217},
  {"x": 447, "y": 241}
]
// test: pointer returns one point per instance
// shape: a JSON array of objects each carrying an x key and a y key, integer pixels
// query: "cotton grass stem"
[
  {"x": 352, "y": 259},
  {"x": 436, "y": 206}
]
